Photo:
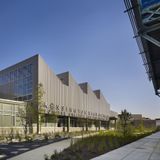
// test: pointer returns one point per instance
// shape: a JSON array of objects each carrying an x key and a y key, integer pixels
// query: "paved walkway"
[
  {"x": 147, "y": 148},
  {"x": 38, "y": 154},
  {"x": 13, "y": 149},
  {"x": 36, "y": 149}
]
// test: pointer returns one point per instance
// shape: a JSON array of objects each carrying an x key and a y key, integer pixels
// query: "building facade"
[
  {"x": 138, "y": 120},
  {"x": 62, "y": 92},
  {"x": 9, "y": 115}
]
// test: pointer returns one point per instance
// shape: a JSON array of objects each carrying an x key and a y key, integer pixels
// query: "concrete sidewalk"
[
  {"x": 147, "y": 148},
  {"x": 38, "y": 154}
]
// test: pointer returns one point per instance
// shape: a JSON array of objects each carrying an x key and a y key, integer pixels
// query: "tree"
[
  {"x": 39, "y": 104},
  {"x": 124, "y": 118},
  {"x": 23, "y": 118},
  {"x": 33, "y": 111},
  {"x": 26, "y": 116},
  {"x": 51, "y": 114}
]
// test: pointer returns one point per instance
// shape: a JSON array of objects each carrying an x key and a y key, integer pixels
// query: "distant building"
[
  {"x": 158, "y": 122},
  {"x": 136, "y": 116},
  {"x": 138, "y": 119}
]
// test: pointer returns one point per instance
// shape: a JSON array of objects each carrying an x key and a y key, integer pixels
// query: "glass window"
[
  {"x": 7, "y": 120},
  {"x": 18, "y": 82},
  {"x": 7, "y": 107},
  {"x": 1, "y": 120}
]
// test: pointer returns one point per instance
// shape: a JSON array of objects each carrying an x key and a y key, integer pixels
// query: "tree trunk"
[{"x": 37, "y": 123}]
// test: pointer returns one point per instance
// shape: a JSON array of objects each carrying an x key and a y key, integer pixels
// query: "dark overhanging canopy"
[
  {"x": 112, "y": 118},
  {"x": 144, "y": 16}
]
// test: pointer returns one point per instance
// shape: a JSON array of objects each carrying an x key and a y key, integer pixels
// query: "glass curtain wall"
[{"x": 17, "y": 84}]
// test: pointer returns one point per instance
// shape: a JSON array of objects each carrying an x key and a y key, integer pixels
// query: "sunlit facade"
[
  {"x": 9, "y": 112},
  {"x": 68, "y": 99}
]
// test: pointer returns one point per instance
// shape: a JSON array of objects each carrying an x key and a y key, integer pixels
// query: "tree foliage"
[
  {"x": 124, "y": 119},
  {"x": 36, "y": 111},
  {"x": 38, "y": 100},
  {"x": 39, "y": 104},
  {"x": 27, "y": 116}
]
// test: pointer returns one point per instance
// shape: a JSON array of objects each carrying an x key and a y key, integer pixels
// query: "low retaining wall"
[{"x": 20, "y": 130}]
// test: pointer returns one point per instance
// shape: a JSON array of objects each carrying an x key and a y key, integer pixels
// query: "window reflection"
[{"x": 18, "y": 83}]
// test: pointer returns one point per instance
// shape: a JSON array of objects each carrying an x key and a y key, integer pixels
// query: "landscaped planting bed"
[{"x": 96, "y": 145}]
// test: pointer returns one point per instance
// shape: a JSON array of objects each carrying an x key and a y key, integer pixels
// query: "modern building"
[{"x": 69, "y": 99}]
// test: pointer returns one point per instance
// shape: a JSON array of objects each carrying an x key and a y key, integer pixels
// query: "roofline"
[
  {"x": 25, "y": 60},
  {"x": 11, "y": 101}
]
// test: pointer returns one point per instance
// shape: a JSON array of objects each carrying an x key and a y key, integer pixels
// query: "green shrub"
[
  {"x": 28, "y": 138},
  {"x": 93, "y": 146},
  {"x": 10, "y": 135},
  {"x": 46, "y": 136},
  {"x": 57, "y": 135},
  {"x": 18, "y": 136},
  {"x": 46, "y": 157}
]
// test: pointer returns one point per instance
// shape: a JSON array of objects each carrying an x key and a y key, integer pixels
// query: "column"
[
  {"x": 99, "y": 125},
  {"x": 68, "y": 123},
  {"x": 86, "y": 124}
]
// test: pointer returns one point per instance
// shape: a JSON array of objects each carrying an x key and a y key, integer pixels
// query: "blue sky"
[{"x": 92, "y": 39}]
